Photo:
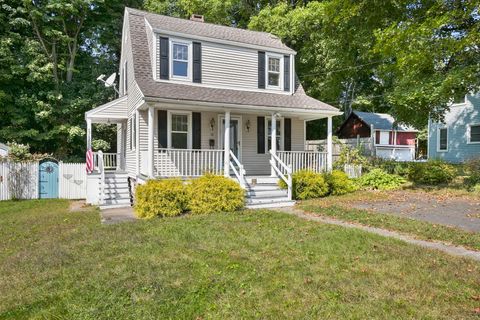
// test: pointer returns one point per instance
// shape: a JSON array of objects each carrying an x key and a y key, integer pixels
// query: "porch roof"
[{"x": 111, "y": 112}]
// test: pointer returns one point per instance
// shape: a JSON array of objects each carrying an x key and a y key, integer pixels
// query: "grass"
[
  {"x": 252, "y": 264},
  {"x": 339, "y": 207}
]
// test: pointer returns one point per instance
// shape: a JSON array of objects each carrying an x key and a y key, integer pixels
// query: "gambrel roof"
[{"x": 151, "y": 88}]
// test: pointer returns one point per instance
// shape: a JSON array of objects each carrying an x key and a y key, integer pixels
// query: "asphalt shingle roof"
[
  {"x": 169, "y": 90},
  {"x": 381, "y": 121}
]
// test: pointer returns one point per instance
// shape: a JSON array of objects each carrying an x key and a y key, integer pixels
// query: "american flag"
[{"x": 89, "y": 161}]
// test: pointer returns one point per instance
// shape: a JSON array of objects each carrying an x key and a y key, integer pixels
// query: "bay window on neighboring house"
[
  {"x": 180, "y": 130},
  {"x": 279, "y": 134},
  {"x": 180, "y": 62},
  {"x": 474, "y": 133},
  {"x": 442, "y": 139}
]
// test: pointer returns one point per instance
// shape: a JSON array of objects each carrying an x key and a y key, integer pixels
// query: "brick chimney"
[{"x": 197, "y": 17}]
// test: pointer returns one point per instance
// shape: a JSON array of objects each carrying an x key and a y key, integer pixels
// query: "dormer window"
[
  {"x": 180, "y": 60},
  {"x": 274, "y": 71}
]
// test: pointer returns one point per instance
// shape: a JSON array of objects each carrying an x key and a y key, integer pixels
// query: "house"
[
  {"x": 388, "y": 140},
  {"x": 3, "y": 150},
  {"x": 197, "y": 97},
  {"x": 457, "y": 138}
]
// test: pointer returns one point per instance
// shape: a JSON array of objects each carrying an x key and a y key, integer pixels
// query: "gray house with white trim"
[
  {"x": 197, "y": 97},
  {"x": 457, "y": 138}
]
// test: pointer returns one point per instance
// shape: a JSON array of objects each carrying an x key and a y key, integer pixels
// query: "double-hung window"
[
  {"x": 273, "y": 71},
  {"x": 442, "y": 137},
  {"x": 278, "y": 136},
  {"x": 474, "y": 133},
  {"x": 180, "y": 60},
  {"x": 180, "y": 133}
]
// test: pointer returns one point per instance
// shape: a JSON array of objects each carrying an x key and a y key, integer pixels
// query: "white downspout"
[
  {"x": 226, "y": 144},
  {"x": 329, "y": 144},
  {"x": 273, "y": 139},
  {"x": 151, "y": 154}
]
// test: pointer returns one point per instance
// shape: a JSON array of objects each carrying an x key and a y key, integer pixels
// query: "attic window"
[
  {"x": 273, "y": 72},
  {"x": 180, "y": 60}
]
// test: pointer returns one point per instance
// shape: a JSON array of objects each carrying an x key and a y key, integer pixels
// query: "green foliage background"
[{"x": 408, "y": 58}]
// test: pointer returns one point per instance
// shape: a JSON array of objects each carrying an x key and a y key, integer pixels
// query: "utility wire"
[{"x": 343, "y": 69}]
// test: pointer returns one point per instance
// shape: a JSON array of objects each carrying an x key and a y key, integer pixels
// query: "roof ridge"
[{"x": 209, "y": 23}]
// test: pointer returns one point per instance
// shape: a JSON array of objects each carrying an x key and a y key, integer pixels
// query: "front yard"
[{"x": 252, "y": 264}]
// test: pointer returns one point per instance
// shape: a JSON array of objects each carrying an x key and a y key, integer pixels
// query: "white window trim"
[
  {"x": 133, "y": 131},
  {"x": 281, "y": 76},
  {"x": 438, "y": 139},
  {"x": 169, "y": 127},
  {"x": 282, "y": 133},
  {"x": 469, "y": 136},
  {"x": 190, "y": 59}
]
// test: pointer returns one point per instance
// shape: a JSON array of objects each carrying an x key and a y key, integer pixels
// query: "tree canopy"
[{"x": 408, "y": 58}]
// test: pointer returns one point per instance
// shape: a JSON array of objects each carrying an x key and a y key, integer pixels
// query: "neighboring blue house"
[{"x": 458, "y": 138}]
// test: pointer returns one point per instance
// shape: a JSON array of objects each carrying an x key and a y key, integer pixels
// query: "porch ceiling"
[{"x": 115, "y": 111}]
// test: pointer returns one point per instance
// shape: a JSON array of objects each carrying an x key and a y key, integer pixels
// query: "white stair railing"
[
  {"x": 101, "y": 170},
  {"x": 283, "y": 171},
  {"x": 240, "y": 172}
]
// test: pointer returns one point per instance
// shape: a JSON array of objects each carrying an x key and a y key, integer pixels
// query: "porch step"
[
  {"x": 121, "y": 201},
  {"x": 268, "y": 193},
  {"x": 116, "y": 192},
  {"x": 255, "y": 180},
  {"x": 269, "y": 203},
  {"x": 264, "y": 192}
]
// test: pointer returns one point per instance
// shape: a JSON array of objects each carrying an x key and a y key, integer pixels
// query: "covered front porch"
[{"x": 188, "y": 141}]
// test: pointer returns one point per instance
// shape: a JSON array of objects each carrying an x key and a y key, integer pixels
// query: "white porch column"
[
  {"x": 137, "y": 140},
  {"x": 89, "y": 134},
  {"x": 329, "y": 144},
  {"x": 273, "y": 139},
  {"x": 151, "y": 151},
  {"x": 226, "y": 143}
]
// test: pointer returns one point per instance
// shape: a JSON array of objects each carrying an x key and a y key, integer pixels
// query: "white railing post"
[
  {"x": 329, "y": 144},
  {"x": 101, "y": 169},
  {"x": 226, "y": 143}
]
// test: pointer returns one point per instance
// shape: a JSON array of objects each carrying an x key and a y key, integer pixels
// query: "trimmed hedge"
[
  {"x": 307, "y": 185},
  {"x": 339, "y": 183},
  {"x": 164, "y": 198},
  {"x": 211, "y": 193},
  {"x": 378, "y": 179},
  {"x": 431, "y": 172}
]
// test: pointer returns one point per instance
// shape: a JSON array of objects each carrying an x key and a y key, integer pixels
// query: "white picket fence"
[
  {"x": 21, "y": 180},
  {"x": 18, "y": 180}
]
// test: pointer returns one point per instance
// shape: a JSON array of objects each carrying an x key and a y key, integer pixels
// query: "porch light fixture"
[
  {"x": 212, "y": 124},
  {"x": 247, "y": 125}
]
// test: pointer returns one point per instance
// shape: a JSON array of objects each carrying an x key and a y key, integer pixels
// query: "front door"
[
  {"x": 48, "y": 179},
  {"x": 235, "y": 136}
]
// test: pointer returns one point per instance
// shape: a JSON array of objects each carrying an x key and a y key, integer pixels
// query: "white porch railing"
[
  {"x": 283, "y": 171},
  {"x": 237, "y": 169},
  {"x": 187, "y": 162},
  {"x": 299, "y": 160},
  {"x": 111, "y": 161},
  {"x": 101, "y": 169}
]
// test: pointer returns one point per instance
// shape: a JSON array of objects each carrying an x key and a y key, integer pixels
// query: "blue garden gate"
[{"x": 48, "y": 180}]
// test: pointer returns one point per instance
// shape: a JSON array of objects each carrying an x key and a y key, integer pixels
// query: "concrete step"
[
  {"x": 113, "y": 206},
  {"x": 263, "y": 187},
  {"x": 270, "y": 203},
  {"x": 275, "y": 193},
  {"x": 115, "y": 201}
]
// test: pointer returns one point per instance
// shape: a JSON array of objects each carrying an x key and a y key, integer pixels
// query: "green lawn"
[
  {"x": 339, "y": 207},
  {"x": 262, "y": 264}
]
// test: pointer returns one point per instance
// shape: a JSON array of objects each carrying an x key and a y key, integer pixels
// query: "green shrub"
[
  {"x": 165, "y": 198},
  {"x": 350, "y": 155},
  {"x": 390, "y": 166},
  {"x": 308, "y": 185},
  {"x": 476, "y": 188},
  {"x": 339, "y": 183},
  {"x": 212, "y": 193},
  {"x": 431, "y": 172},
  {"x": 380, "y": 180}
]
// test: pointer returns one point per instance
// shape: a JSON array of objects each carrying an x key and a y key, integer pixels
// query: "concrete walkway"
[
  {"x": 117, "y": 215},
  {"x": 453, "y": 250}
]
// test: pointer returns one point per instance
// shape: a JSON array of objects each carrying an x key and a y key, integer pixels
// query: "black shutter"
[
  {"x": 164, "y": 73},
  {"x": 261, "y": 70},
  {"x": 260, "y": 134},
  {"x": 162, "y": 129},
  {"x": 197, "y": 62},
  {"x": 197, "y": 130},
  {"x": 286, "y": 73},
  {"x": 287, "y": 131}
]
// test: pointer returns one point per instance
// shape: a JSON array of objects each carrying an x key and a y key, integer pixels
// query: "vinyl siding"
[
  {"x": 457, "y": 121},
  {"x": 227, "y": 66}
]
